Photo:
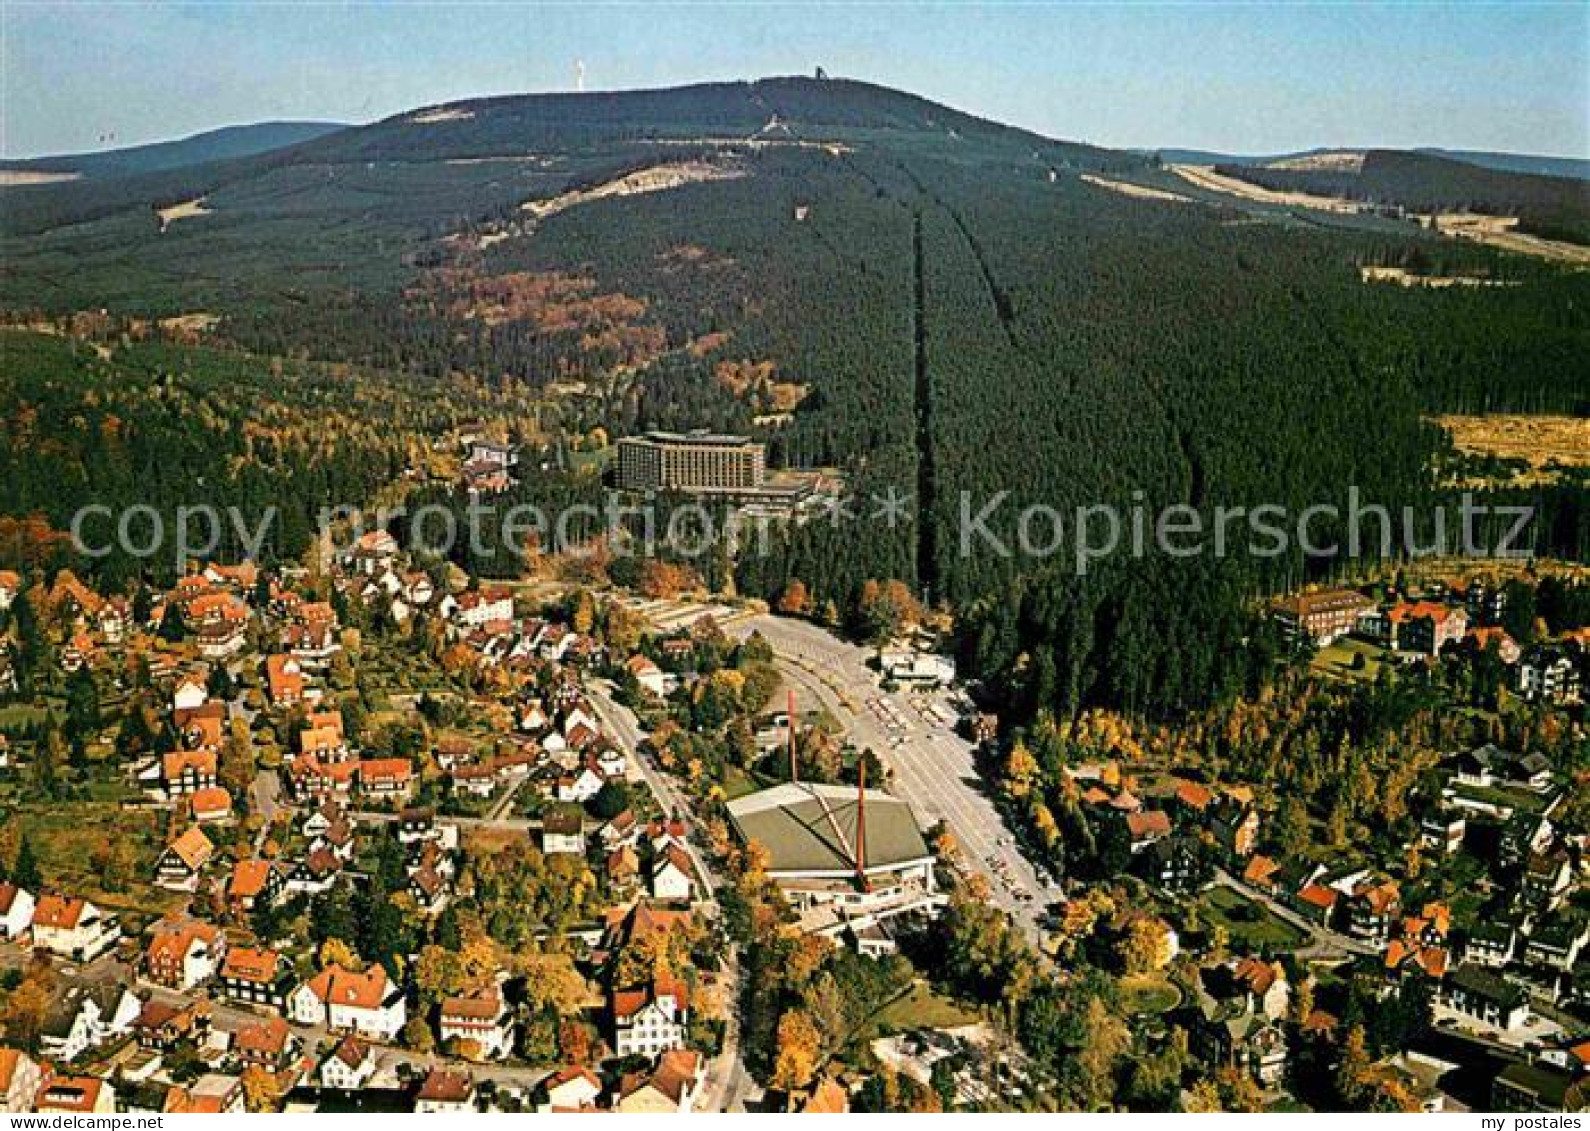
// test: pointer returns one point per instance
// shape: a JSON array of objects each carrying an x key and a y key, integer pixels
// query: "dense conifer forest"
[{"x": 928, "y": 303}]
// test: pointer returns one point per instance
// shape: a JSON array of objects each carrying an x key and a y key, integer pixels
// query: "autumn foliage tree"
[
  {"x": 795, "y": 601},
  {"x": 799, "y": 1043}
]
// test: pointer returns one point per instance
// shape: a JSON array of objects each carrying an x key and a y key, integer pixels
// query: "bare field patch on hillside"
[
  {"x": 441, "y": 114},
  {"x": 1540, "y": 441},
  {"x": 1343, "y": 160},
  {"x": 1494, "y": 231},
  {"x": 1502, "y": 232},
  {"x": 190, "y": 327},
  {"x": 656, "y": 178},
  {"x": 1406, "y": 278},
  {"x": 1205, "y": 177},
  {"x": 1142, "y": 192},
  {"x": 187, "y": 210},
  {"x": 832, "y": 148},
  {"x": 19, "y": 177}
]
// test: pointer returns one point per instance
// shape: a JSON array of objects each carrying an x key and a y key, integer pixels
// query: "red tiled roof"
[
  {"x": 268, "y": 1038},
  {"x": 1418, "y": 611},
  {"x": 1256, "y": 974},
  {"x": 1381, "y": 897},
  {"x": 177, "y": 762},
  {"x": 386, "y": 770},
  {"x": 249, "y": 878},
  {"x": 486, "y": 1007},
  {"x": 627, "y": 1003},
  {"x": 69, "y": 1094},
  {"x": 210, "y": 800},
  {"x": 8, "y": 896},
  {"x": 337, "y": 986},
  {"x": 58, "y": 911},
  {"x": 251, "y": 965},
  {"x": 443, "y": 1085},
  {"x": 1318, "y": 896},
  {"x": 1259, "y": 870},
  {"x": 1154, "y": 822},
  {"x": 172, "y": 942},
  {"x": 193, "y": 848},
  {"x": 351, "y": 1051}
]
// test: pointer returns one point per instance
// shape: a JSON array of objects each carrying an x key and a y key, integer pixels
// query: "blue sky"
[{"x": 1240, "y": 77}]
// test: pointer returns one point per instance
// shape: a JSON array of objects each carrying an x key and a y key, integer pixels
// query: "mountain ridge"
[
  {"x": 246, "y": 139},
  {"x": 1543, "y": 165}
]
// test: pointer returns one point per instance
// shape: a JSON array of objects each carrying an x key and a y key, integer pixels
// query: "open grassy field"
[
  {"x": 1340, "y": 660},
  {"x": 1149, "y": 994},
  {"x": 1248, "y": 924},
  {"x": 1538, "y": 440},
  {"x": 67, "y": 840},
  {"x": 738, "y": 783},
  {"x": 24, "y": 714},
  {"x": 920, "y": 1007}
]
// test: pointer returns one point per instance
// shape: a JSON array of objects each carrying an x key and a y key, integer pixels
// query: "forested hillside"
[
  {"x": 167, "y": 426},
  {"x": 931, "y": 303},
  {"x": 1554, "y": 207}
]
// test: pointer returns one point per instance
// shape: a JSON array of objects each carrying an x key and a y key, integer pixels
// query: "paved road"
[
  {"x": 729, "y": 1084},
  {"x": 501, "y": 807},
  {"x": 620, "y": 723},
  {"x": 514, "y": 824},
  {"x": 266, "y": 792},
  {"x": 933, "y": 768}
]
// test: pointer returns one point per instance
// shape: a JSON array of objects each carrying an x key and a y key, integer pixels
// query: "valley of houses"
[
  {"x": 1503, "y": 975},
  {"x": 199, "y": 1014},
  {"x": 1508, "y": 971},
  {"x": 183, "y": 1017}
]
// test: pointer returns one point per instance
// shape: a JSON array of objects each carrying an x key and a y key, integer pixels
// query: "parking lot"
[{"x": 913, "y": 733}]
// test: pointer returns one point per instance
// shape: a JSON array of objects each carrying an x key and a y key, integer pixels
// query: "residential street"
[
  {"x": 728, "y": 1085},
  {"x": 266, "y": 796}
]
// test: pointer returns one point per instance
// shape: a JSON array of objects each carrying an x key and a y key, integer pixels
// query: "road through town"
[
  {"x": 729, "y": 1084},
  {"x": 913, "y": 735}
]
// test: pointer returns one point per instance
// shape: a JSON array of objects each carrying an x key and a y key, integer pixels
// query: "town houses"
[
  {"x": 481, "y": 1020},
  {"x": 394, "y": 850},
  {"x": 367, "y": 1003},
  {"x": 650, "y": 1020},
  {"x": 72, "y": 927},
  {"x": 255, "y": 976},
  {"x": 245, "y": 854},
  {"x": 182, "y": 955}
]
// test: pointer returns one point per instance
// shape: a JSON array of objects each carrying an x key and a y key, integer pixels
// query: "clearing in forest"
[
  {"x": 656, "y": 178},
  {"x": 186, "y": 210},
  {"x": 10, "y": 177},
  {"x": 1205, "y": 177},
  {"x": 1502, "y": 232},
  {"x": 440, "y": 114},
  {"x": 1406, "y": 278},
  {"x": 1143, "y": 192},
  {"x": 1538, "y": 440}
]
